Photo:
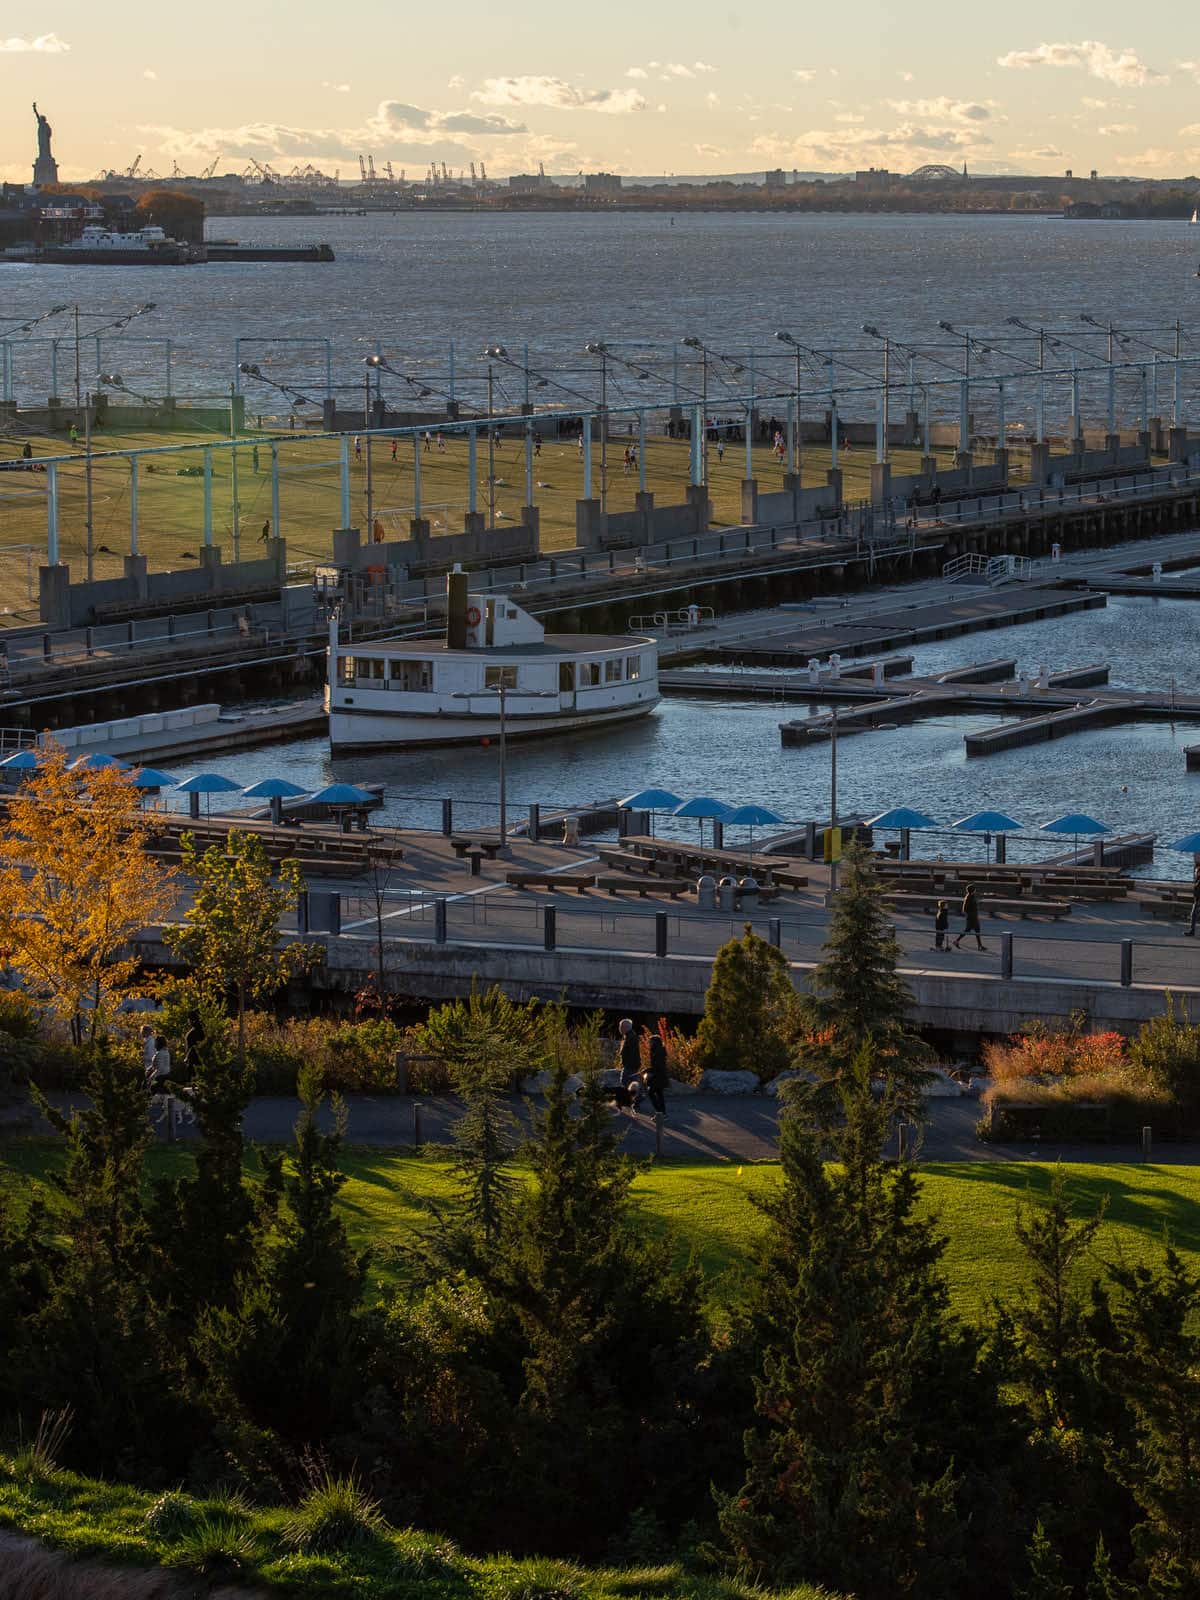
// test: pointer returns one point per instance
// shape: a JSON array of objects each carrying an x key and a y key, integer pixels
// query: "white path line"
[{"x": 466, "y": 894}]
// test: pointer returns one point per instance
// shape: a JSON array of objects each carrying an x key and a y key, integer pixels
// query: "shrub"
[
  {"x": 335, "y": 1515},
  {"x": 215, "y": 1547},
  {"x": 1167, "y": 1052},
  {"x": 171, "y": 1517},
  {"x": 423, "y": 1555},
  {"x": 39, "y": 1459},
  {"x": 683, "y": 1052}
]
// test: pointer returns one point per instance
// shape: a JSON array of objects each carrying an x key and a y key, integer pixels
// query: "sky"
[{"x": 705, "y": 86}]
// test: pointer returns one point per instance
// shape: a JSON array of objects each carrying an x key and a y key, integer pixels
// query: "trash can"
[
  {"x": 706, "y": 893},
  {"x": 726, "y": 890},
  {"x": 748, "y": 894}
]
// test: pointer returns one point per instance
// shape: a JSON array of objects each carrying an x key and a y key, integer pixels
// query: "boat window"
[
  {"x": 566, "y": 677},
  {"x": 633, "y": 667},
  {"x": 412, "y": 677},
  {"x": 370, "y": 672},
  {"x": 346, "y": 669},
  {"x": 589, "y": 674},
  {"x": 499, "y": 677},
  {"x": 612, "y": 672}
]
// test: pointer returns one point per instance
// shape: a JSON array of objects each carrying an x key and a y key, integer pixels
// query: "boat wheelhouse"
[{"x": 496, "y": 663}]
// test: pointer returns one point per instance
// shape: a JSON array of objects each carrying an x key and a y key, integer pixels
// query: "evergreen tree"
[
  {"x": 1047, "y": 1578},
  {"x": 282, "y": 1359},
  {"x": 1156, "y": 1368},
  {"x": 876, "y": 1426},
  {"x": 1104, "y": 1583},
  {"x": 748, "y": 1010},
  {"x": 609, "y": 1332},
  {"x": 99, "y": 1336},
  {"x": 208, "y": 1225},
  {"x": 856, "y": 997},
  {"x": 1049, "y": 1343}
]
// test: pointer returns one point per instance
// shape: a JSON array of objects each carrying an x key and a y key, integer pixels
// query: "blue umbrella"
[
  {"x": 752, "y": 816},
  {"x": 650, "y": 800},
  {"x": 94, "y": 761},
  {"x": 985, "y": 822},
  {"x": 342, "y": 794},
  {"x": 23, "y": 761},
  {"x": 208, "y": 783},
  {"x": 901, "y": 817},
  {"x": 1189, "y": 845},
  {"x": 205, "y": 783},
  {"x": 1075, "y": 823},
  {"x": 276, "y": 790},
  {"x": 152, "y": 778},
  {"x": 701, "y": 806}
]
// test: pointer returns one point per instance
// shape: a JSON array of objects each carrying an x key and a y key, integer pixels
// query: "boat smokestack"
[{"x": 457, "y": 599}]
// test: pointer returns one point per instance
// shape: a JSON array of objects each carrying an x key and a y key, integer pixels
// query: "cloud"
[
  {"x": 1123, "y": 67},
  {"x": 1113, "y": 129},
  {"x": 804, "y": 74},
  {"x": 46, "y": 44},
  {"x": 338, "y": 88},
  {"x": 395, "y": 118},
  {"x": 557, "y": 94},
  {"x": 1090, "y": 103},
  {"x": 710, "y": 150},
  {"x": 712, "y": 100},
  {"x": 702, "y": 67},
  {"x": 942, "y": 109},
  {"x": 636, "y": 72},
  {"x": 1047, "y": 152},
  {"x": 456, "y": 82},
  {"x": 909, "y": 145},
  {"x": 149, "y": 72},
  {"x": 849, "y": 116},
  {"x": 1191, "y": 131},
  {"x": 906, "y": 77}
]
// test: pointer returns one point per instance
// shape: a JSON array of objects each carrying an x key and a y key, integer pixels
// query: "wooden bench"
[
  {"x": 582, "y": 881},
  {"x": 991, "y": 907},
  {"x": 462, "y": 846},
  {"x": 644, "y": 886},
  {"x": 1170, "y": 907}
]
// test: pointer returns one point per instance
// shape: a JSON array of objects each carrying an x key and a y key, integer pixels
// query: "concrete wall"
[
  {"x": 64, "y": 604},
  {"x": 131, "y": 730},
  {"x": 425, "y": 553}
]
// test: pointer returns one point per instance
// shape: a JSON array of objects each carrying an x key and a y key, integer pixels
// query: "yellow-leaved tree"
[{"x": 77, "y": 882}]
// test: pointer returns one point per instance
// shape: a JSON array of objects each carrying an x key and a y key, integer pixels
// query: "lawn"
[{"x": 709, "y": 1207}]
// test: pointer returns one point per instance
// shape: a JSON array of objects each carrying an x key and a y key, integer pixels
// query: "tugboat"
[
  {"x": 105, "y": 247},
  {"x": 496, "y": 661}
]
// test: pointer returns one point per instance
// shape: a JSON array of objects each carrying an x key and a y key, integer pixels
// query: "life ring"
[{"x": 473, "y": 616}]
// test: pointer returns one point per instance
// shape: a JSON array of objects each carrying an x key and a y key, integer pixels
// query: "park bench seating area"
[
  {"x": 464, "y": 846},
  {"x": 1011, "y": 878},
  {"x": 581, "y": 881},
  {"x": 642, "y": 853},
  {"x": 323, "y": 852}
]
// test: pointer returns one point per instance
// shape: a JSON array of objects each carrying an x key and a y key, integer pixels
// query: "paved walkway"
[{"x": 699, "y": 1127}]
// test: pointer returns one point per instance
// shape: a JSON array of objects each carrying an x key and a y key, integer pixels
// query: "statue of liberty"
[{"x": 45, "y": 168}]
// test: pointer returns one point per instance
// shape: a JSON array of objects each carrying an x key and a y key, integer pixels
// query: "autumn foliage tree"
[
  {"x": 77, "y": 882},
  {"x": 230, "y": 932}
]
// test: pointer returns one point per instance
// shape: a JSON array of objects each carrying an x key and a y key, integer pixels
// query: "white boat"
[{"x": 495, "y": 661}]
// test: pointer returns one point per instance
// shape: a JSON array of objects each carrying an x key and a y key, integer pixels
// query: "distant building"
[
  {"x": 776, "y": 179},
  {"x": 874, "y": 178},
  {"x": 527, "y": 182},
  {"x": 601, "y": 183}
]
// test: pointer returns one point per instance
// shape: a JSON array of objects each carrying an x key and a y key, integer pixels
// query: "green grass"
[
  {"x": 211, "y": 1540},
  {"x": 709, "y": 1208}
]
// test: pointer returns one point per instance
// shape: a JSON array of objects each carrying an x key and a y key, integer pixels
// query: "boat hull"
[{"x": 353, "y": 732}]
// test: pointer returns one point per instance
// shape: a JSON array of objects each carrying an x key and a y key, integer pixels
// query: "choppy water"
[{"x": 414, "y": 282}]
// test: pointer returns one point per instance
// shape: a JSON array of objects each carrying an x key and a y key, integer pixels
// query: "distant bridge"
[{"x": 936, "y": 173}]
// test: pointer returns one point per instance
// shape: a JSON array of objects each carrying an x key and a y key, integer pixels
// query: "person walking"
[
  {"x": 266, "y": 532},
  {"x": 395, "y": 444},
  {"x": 161, "y": 1065},
  {"x": 941, "y": 926},
  {"x": 970, "y": 912},
  {"x": 1190, "y": 930},
  {"x": 656, "y": 1074},
  {"x": 193, "y": 1044},
  {"x": 358, "y": 447},
  {"x": 630, "y": 1059},
  {"x": 720, "y": 448},
  {"x": 254, "y": 460}
]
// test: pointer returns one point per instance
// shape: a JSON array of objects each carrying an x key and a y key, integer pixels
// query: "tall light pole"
[
  {"x": 696, "y": 344},
  {"x": 494, "y": 352},
  {"x": 372, "y": 364},
  {"x": 797, "y": 349},
  {"x": 881, "y": 453},
  {"x": 599, "y": 348}
]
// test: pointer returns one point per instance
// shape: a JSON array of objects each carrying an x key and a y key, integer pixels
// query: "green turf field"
[{"x": 709, "y": 1207}]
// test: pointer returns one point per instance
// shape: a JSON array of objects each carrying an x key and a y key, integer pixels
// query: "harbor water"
[{"x": 1132, "y": 777}]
